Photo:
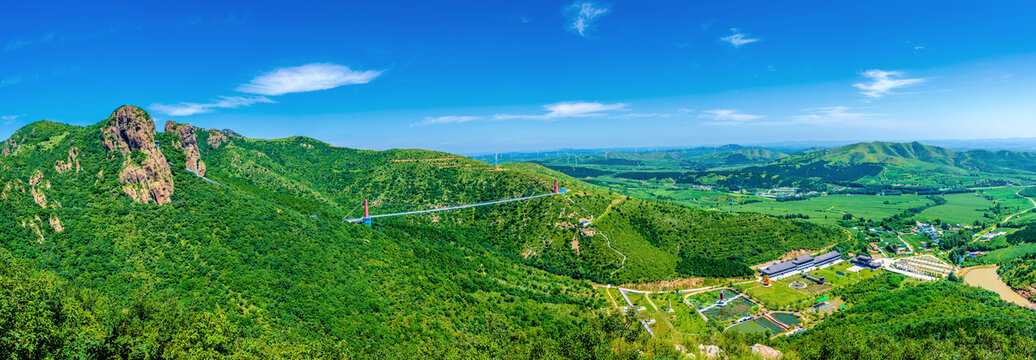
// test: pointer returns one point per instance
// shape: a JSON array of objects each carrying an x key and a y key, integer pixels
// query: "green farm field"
[
  {"x": 970, "y": 207},
  {"x": 830, "y": 209},
  {"x": 959, "y": 209},
  {"x": 1000, "y": 256}
]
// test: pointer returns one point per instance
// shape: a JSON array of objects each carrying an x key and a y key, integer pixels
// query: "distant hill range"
[{"x": 876, "y": 166}]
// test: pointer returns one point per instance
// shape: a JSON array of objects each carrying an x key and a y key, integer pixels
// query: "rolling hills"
[
  {"x": 874, "y": 167},
  {"x": 190, "y": 242}
]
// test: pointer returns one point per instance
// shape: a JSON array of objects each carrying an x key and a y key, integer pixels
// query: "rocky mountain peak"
[
  {"x": 188, "y": 142},
  {"x": 145, "y": 173}
]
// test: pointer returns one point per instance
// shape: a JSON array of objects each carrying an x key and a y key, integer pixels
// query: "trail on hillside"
[{"x": 608, "y": 241}]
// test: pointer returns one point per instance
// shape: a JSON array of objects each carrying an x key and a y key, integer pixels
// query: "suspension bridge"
[{"x": 367, "y": 217}]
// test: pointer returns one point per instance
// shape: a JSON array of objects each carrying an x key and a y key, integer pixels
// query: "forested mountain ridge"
[
  {"x": 910, "y": 154},
  {"x": 254, "y": 259},
  {"x": 877, "y": 167}
]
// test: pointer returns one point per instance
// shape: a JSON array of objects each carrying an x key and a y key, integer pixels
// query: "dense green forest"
[
  {"x": 1020, "y": 272},
  {"x": 941, "y": 320},
  {"x": 113, "y": 245}
]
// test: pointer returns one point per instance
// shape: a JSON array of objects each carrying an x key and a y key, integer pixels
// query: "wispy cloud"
[
  {"x": 9, "y": 119},
  {"x": 565, "y": 109},
  {"x": 727, "y": 117},
  {"x": 829, "y": 115},
  {"x": 449, "y": 119},
  {"x": 883, "y": 82},
  {"x": 737, "y": 39},
  {"x": 224, "y": 102},
  {"x": 305, "y": 78},
  {"x": 584, "y": 14},
  {"x": 10, "y": 81},
  {"x": 15, "y": 44},
  {"x": 568, "y": 109}
]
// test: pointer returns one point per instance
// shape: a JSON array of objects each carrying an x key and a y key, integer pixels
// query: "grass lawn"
[
  {"x": 660, "y": 327},
  {"x": 685, "y": 319},
  {"x": 751, "y": 327},
  {"x": 639, "y": 300}
]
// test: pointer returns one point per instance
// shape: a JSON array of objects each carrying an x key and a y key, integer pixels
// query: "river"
[{"x": 987, "y": 278}]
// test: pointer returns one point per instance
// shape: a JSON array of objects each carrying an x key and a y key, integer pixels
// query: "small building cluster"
[
  {"x": 865, "y": 261},
  {"x": 800, "y": 264},
  {"x": 928, "y": 230}
]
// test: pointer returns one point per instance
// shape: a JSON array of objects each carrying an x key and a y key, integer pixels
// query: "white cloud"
[
  {"x": 224, "y": 102},
  {"x": 883, "y": 82},
  {"x": 9, "y": 119},
  {"x": 727, "y": 117},
  {"x": 565, "y": 109},
  {"x": 585, "y": 13},
  {"x": 568, "y": 109},
  {"x": 305, "y": 78},
  {"x": 20, "y": 43},
  {"x": 737, "y": 39},
  {"x": 829, "y": 115},
  {"x": 449, "y": 119}
]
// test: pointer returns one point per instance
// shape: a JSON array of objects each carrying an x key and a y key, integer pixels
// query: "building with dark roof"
[
  {"x": 819, "y": 281},
  {"x": 799, "y": 264},
  {"x": 865, "y": 261}
]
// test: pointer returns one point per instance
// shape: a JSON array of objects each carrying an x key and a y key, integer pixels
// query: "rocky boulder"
[
  {"x": 188, "y": 142},
  {"x": 711, "y": 351},
  {"x": 145, "y": 173},
  {"x": 766, "y": 352}
]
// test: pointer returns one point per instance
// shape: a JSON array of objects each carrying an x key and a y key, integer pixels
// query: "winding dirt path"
[{"x": 1019, "y": 194}]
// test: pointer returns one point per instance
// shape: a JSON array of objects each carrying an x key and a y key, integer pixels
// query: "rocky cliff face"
[
  {"x": 189, "y": 143},
  {"x": 216, "y": 138},
  {"x": 145, "y": 172}
]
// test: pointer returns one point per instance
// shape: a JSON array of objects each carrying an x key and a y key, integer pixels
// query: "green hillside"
[
  {"x": 109, "y": 228},
  {"x": 928, "y": 321}
]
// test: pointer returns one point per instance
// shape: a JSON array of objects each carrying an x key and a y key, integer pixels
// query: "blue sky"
[{"x": 478, "y": 76}]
